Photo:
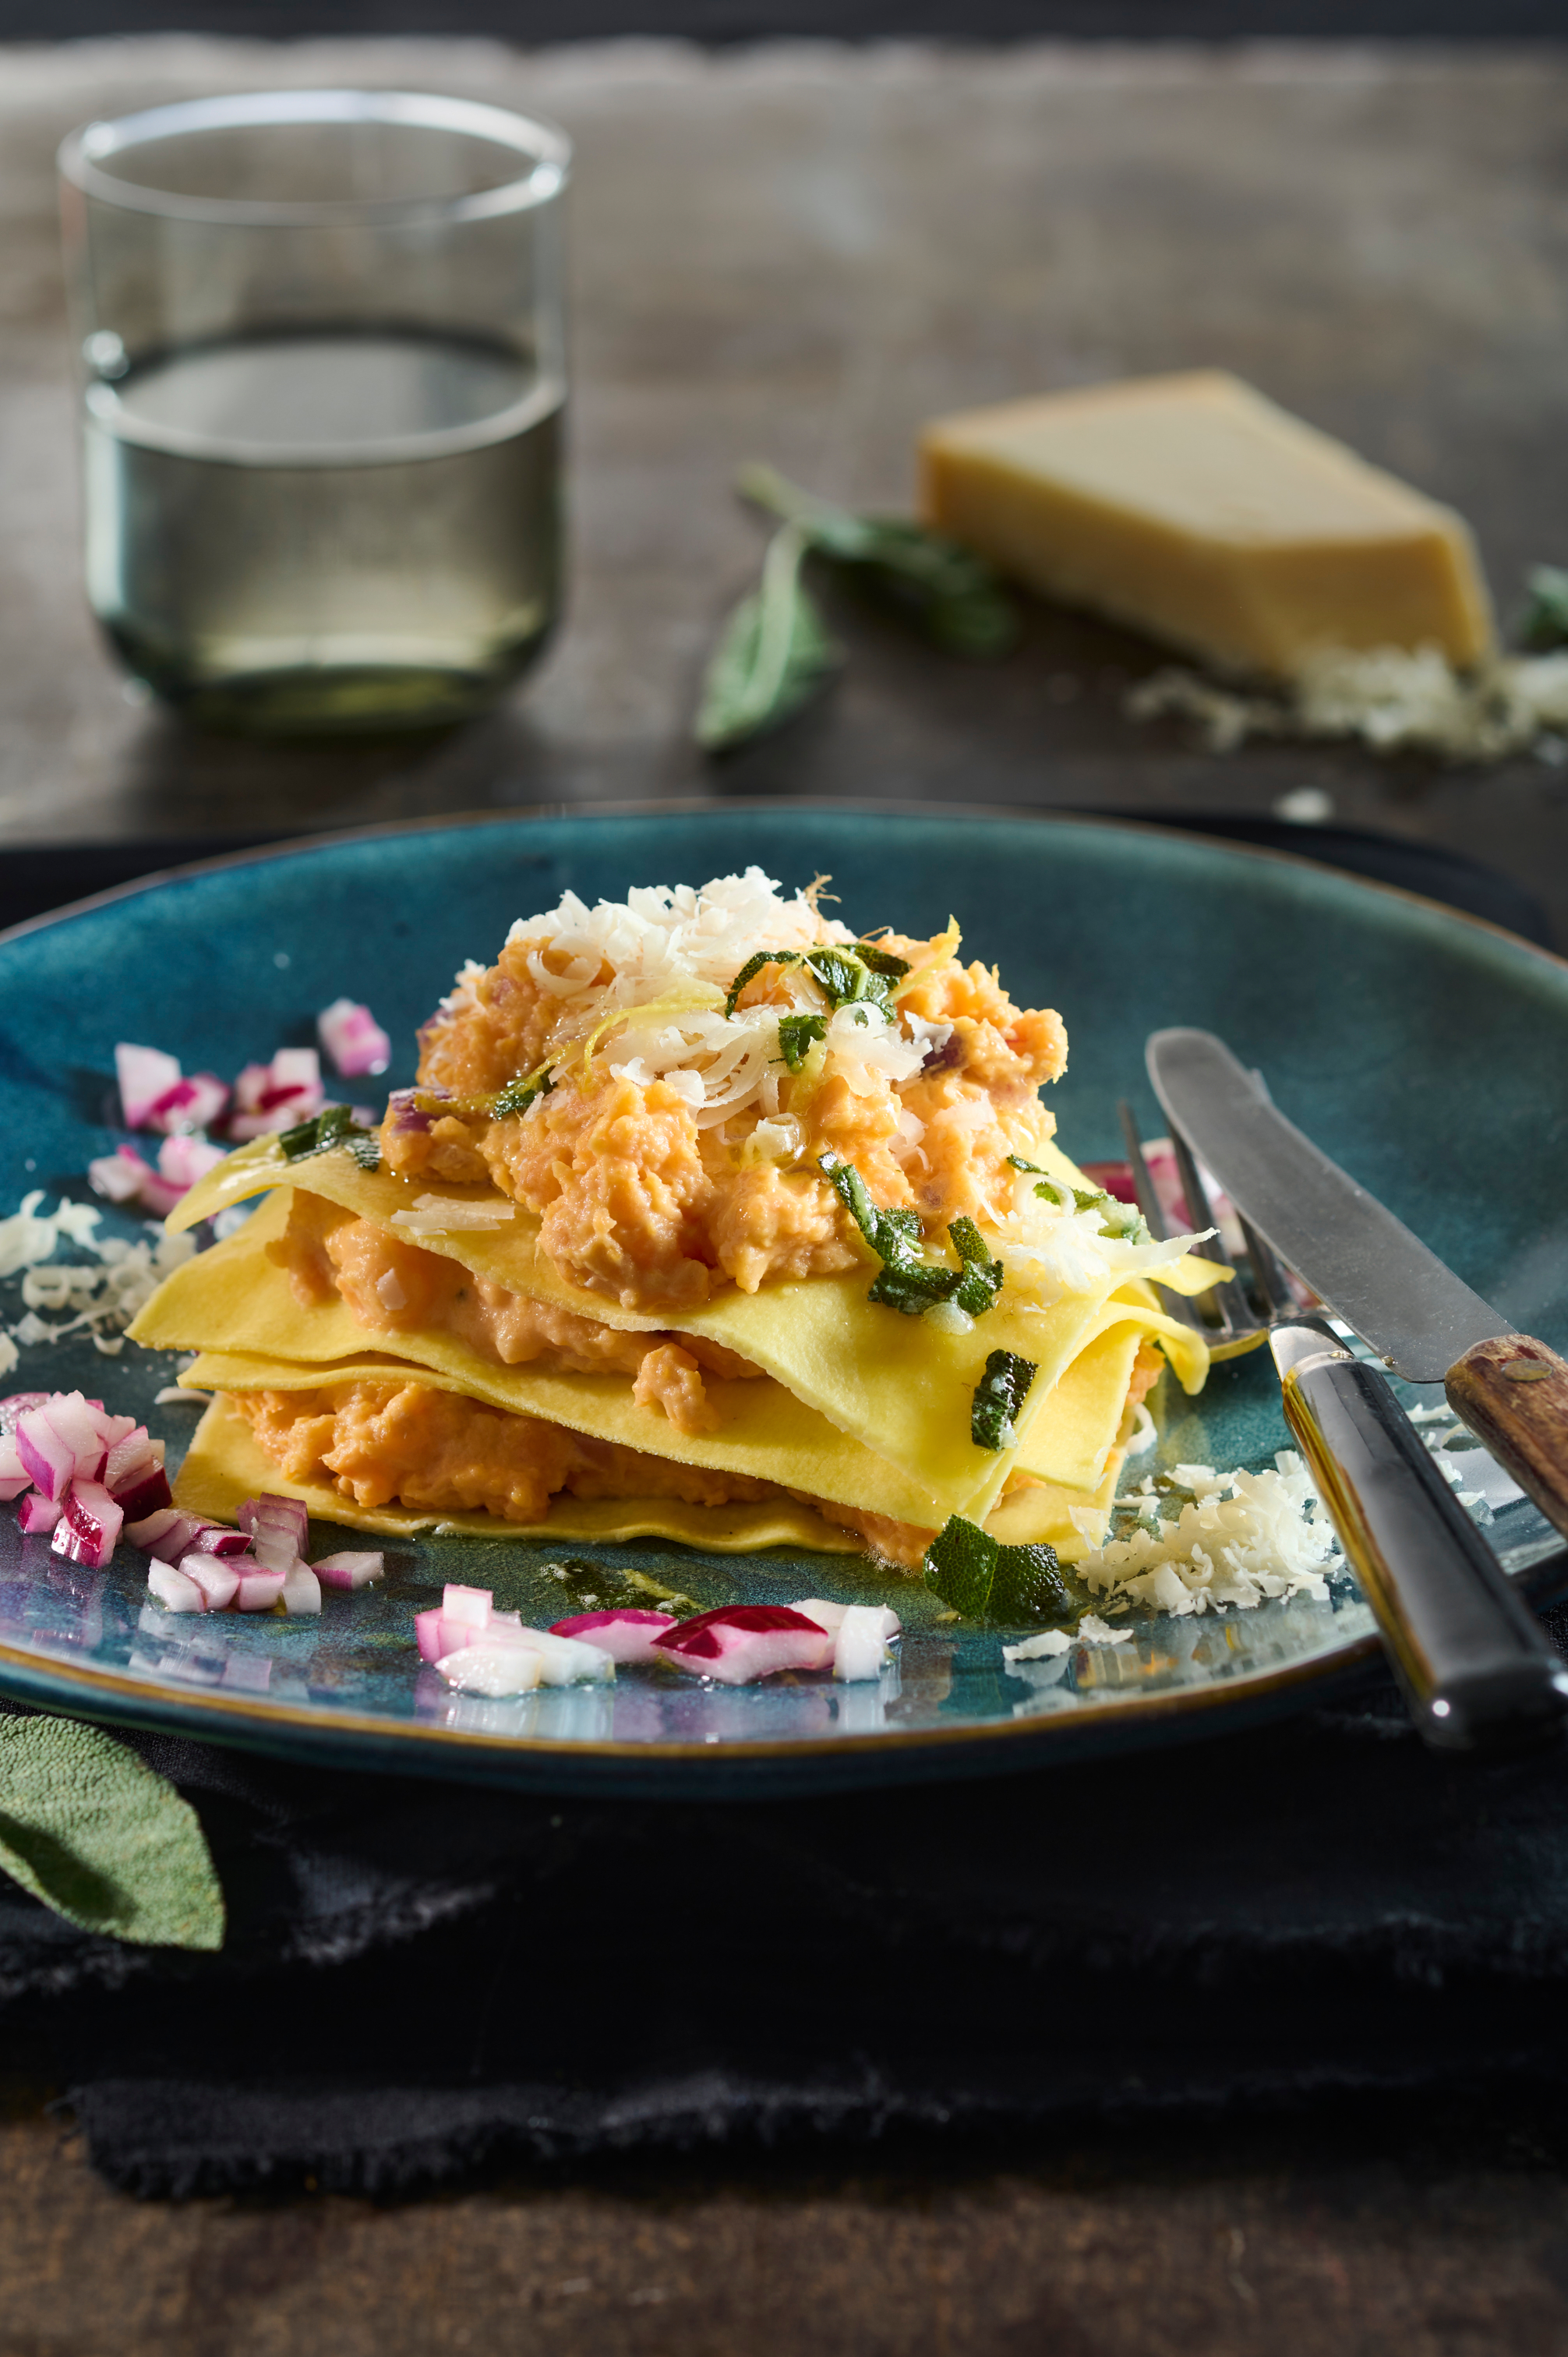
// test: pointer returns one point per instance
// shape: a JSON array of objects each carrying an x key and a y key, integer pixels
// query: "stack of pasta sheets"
[{"x": 857, "y": 1404}]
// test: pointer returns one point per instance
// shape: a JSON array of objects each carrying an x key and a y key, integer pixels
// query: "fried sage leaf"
[
  {"x": 334, "y": 1126},
  {"x": 953, "y": 594},
  {"x": 998, "y": 1395},
  {"x": 519, "y": 1094},
  {"x": 981, "y": 1579},
  {"x": 774, "y": 653},
  {"x": 798, "y": 1034}
]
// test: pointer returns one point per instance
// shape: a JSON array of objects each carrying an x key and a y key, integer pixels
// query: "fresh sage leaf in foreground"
[
  {"x": 774, "y": 650},
  {"x": 954, "y": 596},
  {"x": 90, "y": 1829}
]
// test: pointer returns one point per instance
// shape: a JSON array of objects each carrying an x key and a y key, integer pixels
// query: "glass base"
[{"x": 330, "y": 701}]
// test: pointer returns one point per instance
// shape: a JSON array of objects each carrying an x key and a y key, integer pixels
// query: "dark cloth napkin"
[{"x": 422, "y": 1980}]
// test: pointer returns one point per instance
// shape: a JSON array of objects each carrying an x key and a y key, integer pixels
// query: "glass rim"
[{"x": 85, "y": 153}]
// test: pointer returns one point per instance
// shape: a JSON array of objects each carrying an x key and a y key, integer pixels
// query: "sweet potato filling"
[
  {"x": 392, "y": 1286},
  {"x": 641, "y": 1201},
  {"x": 413, "y": 1445}
]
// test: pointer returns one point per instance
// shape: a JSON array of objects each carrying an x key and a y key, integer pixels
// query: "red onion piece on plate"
[
  {"x": 258, "y": 1590},
  {"x": 173, "y": 1591},
  {"x": 625, "y": 1635},
  {"x": 215, "y": 1575},
  {"x": 38, "y": 1515},
  {"x": 88, "y": 1527},
  {"x": 349, "y": 1570},
  {"x": 739, "y": 1643}
]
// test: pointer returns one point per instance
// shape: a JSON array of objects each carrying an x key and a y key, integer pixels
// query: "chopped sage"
[
  {"x": 334, "y": 1126},
  {"x": 979, "y": 1281},
  {"x": 981, "y": 1579},
  {"x": 906, "y": 1282},
  {"x": 998, "y": 1395},
  {"x": 847, "y": 977},
  {"x": 1118, "y": 1219},
  {"x": 797, "y": 1034},
  {"x": 773, "y": 653},
  {"x": 519, "y": 1094}
]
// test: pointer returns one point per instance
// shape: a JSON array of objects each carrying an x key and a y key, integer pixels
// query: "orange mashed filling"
[
  {"x": 638, "y": 1202},
  {"x": 383, "y": 1444},
  {"x": 392, "y": 1286}
]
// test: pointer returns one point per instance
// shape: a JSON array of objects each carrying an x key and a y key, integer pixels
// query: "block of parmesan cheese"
[{"x": 1194, "y": 509}]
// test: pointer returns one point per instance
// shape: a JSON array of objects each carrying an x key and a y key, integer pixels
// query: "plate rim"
[{"x": 1194, "y": 1708}]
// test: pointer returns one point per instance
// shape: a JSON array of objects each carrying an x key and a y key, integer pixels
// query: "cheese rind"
[{"x": 1195, "y": 508}]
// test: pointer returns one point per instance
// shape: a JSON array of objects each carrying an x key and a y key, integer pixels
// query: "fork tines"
[{"x": 1230, "y": 1318}]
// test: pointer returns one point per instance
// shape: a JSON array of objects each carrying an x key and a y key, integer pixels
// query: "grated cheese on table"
[
  {"x": 1243, "y": 1539},
  {"x": 1394, "y": 698},
  {"x": 61, "y": 1297}
]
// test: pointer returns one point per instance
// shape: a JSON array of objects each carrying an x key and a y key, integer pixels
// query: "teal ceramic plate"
[{"x": 1422, "y": 1049}]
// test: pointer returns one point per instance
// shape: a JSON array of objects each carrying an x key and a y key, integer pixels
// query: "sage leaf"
[
  {"x": 955, "y": 597},
  {"x": 1544, "y": 623},
  {"x": 773, "y": 654},
  {"x": 100, "y": 1838}
]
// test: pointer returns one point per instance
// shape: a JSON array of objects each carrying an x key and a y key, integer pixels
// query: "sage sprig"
[
  {"x": 953, "y": 594},
  {"x": 774, "y": 650}
]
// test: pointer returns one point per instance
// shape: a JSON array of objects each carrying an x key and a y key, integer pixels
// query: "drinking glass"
[{"x": 321, "y": 349}]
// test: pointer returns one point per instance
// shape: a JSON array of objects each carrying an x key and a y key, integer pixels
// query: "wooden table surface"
[{"x": 797, "y": 255}]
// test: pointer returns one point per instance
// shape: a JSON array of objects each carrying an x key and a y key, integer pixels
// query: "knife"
[{"x": 1475, "y": 1663}]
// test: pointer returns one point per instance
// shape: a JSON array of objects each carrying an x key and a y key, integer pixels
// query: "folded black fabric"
[{"x": 423, "y": 1979}]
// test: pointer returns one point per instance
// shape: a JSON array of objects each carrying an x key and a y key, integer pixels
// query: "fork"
[{"x": 1478, "y": 1673}]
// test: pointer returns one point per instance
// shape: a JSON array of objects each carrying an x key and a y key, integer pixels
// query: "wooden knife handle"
[{"x": 1512, "y": 1392}]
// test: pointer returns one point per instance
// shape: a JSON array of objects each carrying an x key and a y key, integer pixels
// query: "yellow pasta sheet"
[
  {"x": 898, "y": 1386},
  {"x": 235, "y": 1304},
  {"x": 224, "y": 1466}
]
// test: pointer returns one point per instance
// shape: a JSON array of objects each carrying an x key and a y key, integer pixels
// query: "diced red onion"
[
  {"x": 349, "y": 1570},
  {"x": 353, "y": 1039},
  {"x": 429, "y": 1636},
  {"x": 217, "y": 1578},
  {"x": 275, "y": 1097},
  {"x": 11, "y": 1486},
  {"x": 486, "y": 1668},
  {"x": 301, "y": 1590},
  {"x": 83, "y": 1428},
  {"x": 860, "y": 1644},
  {"x": 471, "y": 1605},
  {"x": 739, "y": 1643},
  {"x": 563, "y": 1660},
  {"x": 259, "y": 1590},
  {"x": 408, "y": 1119},
  {"x": 625, "y": 1635},
  {"x": 17, "y": 1404},
  {"x": 88, "y": 1528},
  {"x": 38, "y": 1515},
  {"x": 145, "y": 1495},
  {"x": 173, "y": 1591},
  {"x": 144, "y": 1075},
  {"x": 48, "y": 1459},
  {"x": 120, "y": 1176},
  {"x": 182, "y": 1160}
]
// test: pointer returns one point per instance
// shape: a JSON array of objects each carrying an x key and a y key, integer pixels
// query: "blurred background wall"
[{"x": 529, "y": 21}]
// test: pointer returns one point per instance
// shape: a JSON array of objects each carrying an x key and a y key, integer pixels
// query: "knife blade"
[
  {"x": 1404, "y": 1303},
  {"x": 1476, "y": 1664}
]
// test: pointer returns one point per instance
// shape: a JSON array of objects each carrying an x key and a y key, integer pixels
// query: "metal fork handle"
[{"x": 1478, "y": 1671}]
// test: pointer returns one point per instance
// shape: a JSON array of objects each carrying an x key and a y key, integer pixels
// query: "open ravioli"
[{"x": 546, "y": 1290}]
